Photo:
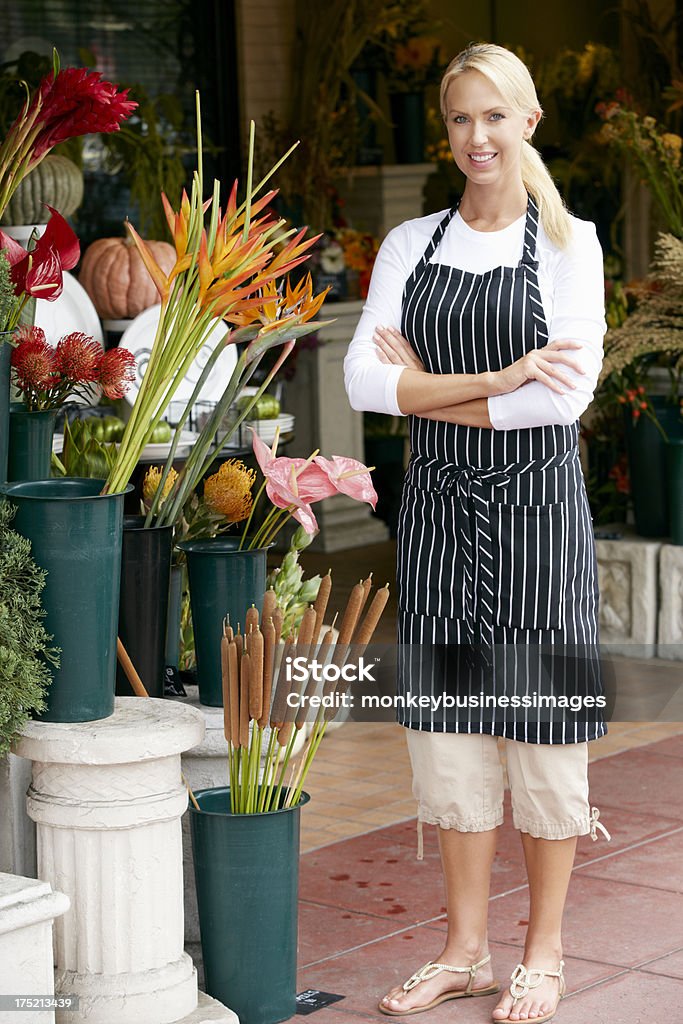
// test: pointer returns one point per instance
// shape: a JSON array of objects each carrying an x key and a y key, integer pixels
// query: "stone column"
[
  {"x": 107, "y": 798},
  {"x": 27, "y": 910},
  {"x": 377, "y": 199},
  {"x": 325, "y": 420}
]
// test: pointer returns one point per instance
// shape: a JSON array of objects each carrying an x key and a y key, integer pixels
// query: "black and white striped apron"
[{"x": 495, "y": 541}]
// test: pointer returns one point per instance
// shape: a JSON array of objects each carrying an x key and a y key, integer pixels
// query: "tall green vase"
[
  {"x": 247, "y": 876},
  {"x": 5, "y": 357},
  {"x": 223, "y": 581},
  {"x": 30, "y": 443},
  {"x": 143, "y": 605},
  {"x": 408, "y": 115},
  {"x": 674, "y": 451},
  {"x": 647, "y": 459},
  {"x": 75, "y": 535}
]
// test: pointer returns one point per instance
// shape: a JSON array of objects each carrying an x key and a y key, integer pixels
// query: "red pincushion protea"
[
  {"x": 117, "y": 371},
  {"x": 77, "y": 358},
  {"x": 33, "y": 361}
]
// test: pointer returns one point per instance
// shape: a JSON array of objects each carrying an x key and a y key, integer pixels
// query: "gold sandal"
[
  {"x": 430, "y": 970},
  {"x": 522, "y": 980}
]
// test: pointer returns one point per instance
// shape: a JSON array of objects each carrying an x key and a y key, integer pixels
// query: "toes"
[
  {"x": 503, "y": 1009},
  {"x": 534, "y": 1011}
]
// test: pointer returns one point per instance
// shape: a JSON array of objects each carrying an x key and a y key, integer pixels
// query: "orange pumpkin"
[{"x": 116, "y": 279}]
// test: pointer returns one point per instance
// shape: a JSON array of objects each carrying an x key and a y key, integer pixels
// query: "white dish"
[
  {"x": 72, "y": 311},
  {"x": 162, "y": 451},
  {"x": 150, "y": 451},
  {"x": 138, "y": 338},
  {"x": 266, "y": 428}
]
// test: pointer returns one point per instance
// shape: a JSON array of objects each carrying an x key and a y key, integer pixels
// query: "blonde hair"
[{"x": 512, "y": 79}]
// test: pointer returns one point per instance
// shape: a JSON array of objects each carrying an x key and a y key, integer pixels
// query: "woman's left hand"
[{"x": 393, "y": 348}]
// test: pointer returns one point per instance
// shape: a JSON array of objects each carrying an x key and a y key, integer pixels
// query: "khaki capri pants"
[{"x": 458, "y": 782}]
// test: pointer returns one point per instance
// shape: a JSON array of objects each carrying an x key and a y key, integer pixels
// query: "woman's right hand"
[{"x": 547, "y": 365}]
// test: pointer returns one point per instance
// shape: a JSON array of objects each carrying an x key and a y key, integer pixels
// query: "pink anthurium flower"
[
  {"x": 294, "y": 484},
  {"x": 348, "y": 476},
  {"x": 281, "y": 483}
]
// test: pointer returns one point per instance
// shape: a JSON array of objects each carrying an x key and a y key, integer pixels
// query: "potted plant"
[
  {"x": 649, "y": 340},
  {"x": 245, "y": 836},
  {"x": 66, "y": 103},
  {"x": 228, "y": 574}
]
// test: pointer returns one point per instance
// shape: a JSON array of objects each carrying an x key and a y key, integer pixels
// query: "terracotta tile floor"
[{"x": 369, "y": 911}]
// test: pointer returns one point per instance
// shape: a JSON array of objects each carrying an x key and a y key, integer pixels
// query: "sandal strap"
[
  {"x": 431, "y": 969},
  {"x": 523, "y": 979}
]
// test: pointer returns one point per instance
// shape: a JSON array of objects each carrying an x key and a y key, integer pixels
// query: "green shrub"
[{"x": 25, "y": 651}]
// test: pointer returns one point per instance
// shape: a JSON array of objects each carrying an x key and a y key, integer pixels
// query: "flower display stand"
[
  {"x": 628, "y": 582},
  {"x": 107, "y": 797},
  {"x": 325, "y": 420},
  {"x": 27, "y": 910}
]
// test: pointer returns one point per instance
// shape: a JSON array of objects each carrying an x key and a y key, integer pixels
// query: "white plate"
[
  {"x": 150, "y": 451},
  {"x": 266, "y": 428},
  {"x": 72, "y": 311},
  {"x": 139, "y": 338},
  {"x": 161, "y": 451}
]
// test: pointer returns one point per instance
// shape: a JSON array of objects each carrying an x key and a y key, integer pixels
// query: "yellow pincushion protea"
[
  {"x": 150, "y": 485},
  {"x": 228, "y": 492}
]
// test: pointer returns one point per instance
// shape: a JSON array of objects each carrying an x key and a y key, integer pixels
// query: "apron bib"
[{"x": 495, "y": 550}]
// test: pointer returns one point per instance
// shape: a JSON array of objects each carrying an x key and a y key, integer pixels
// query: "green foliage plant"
[
  {"x": 25, "y": 650},
  {"x": 8, "y": 299}
]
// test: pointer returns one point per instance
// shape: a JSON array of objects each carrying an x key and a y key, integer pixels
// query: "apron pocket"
[
  {"x": 530, "y": 555},
  {"x": 430, "y": 573}
]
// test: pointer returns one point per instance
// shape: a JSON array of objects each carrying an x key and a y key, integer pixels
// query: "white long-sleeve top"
[{"x": 571, "y": 283}]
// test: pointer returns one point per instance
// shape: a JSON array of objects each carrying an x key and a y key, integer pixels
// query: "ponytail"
[
  {"x": 512, "y": 79},
  {"x": 551, "y": 209}
]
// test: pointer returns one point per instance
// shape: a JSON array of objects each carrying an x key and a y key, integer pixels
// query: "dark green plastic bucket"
[
  {"x": 674, "y": 451},
  {"x": 75, "y": 534},
  {"x": 143, "y": 608},
  {"x": 223, "y": 581},
  {"x": 5, "y": 357},
  {"x": 647, "y": 458},
  {"x": 30, "y": 443},
  {"x": 247, "y": 875},
  {"x": 175, "y": 603}
]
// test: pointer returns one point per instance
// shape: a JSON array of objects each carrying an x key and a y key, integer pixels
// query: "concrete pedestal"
[
  {"x": 627, "y": 575},
  {"x": 376, "y": 199},
  {"x": 325, "y": 420},
  {"x": 27, "y": 910},
  {"x": 18, "y": 832},
  {"x": 107, "y": 798},
  {"x": 670, "y": 626}
]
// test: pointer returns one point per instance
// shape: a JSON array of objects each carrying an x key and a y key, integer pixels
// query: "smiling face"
[{"x": 484, "y": 132}]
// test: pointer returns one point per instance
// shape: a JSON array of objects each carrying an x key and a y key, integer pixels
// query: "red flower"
[
  {"x": 77, "y": 358},
  {"x": 117, "y": 371},
  {"x": 39, "y": 272},
  {"x": 33, "y": 361},
  {"x": 74, "y": 102}
]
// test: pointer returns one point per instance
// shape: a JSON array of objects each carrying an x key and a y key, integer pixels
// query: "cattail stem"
[{"x": 285, "y": 761}]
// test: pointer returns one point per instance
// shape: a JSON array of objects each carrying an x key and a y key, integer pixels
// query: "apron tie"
[{"x": 473, "y": 523}]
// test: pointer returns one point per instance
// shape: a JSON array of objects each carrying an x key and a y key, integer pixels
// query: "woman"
[{"x": 484, "y": 324}]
